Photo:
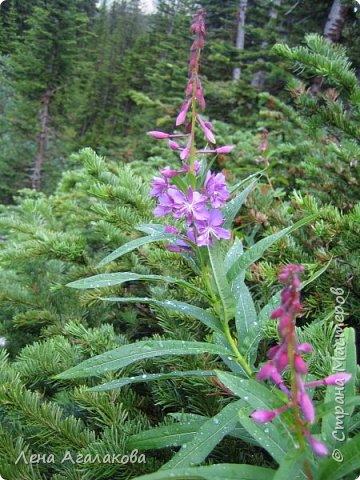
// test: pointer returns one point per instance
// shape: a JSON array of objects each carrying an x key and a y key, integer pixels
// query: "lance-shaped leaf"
[
  {"x": 278, "y": 434},
  {"x": 256, "y": 251},
  {"x": 173, "y": 435},
  {"x": 291, "y": 466},
  {"x": 247, "y": 325},
  {"x": 234, "y": 252},
  {"x": 233, "y": 206},
  {"x": 207, "y": 437},
  {"x": 236, "y": 187},
  {"x": 219, "y": 275},
  {"x": 149, "y": 377},
  {"x": 347, "y": 461},
  {"x": 134, "y": 352},
  {"x": 336, "y": 424},
  {"x": 185, "y": 308},
  {"x": 134, "y": 244},
  {"x": 118, "y": 278},
  {"x": 177, "y": 434},
  {"x": 223, "y": 471}
]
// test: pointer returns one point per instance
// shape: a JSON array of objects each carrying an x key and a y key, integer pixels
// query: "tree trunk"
[
  {"x": 258, "y": 79},
  {"x": 335, "y": 21},
  {"x": 332, "y": 32},
  {"x": 41, "y": 142},
  {"x": 240, "y": 37}
]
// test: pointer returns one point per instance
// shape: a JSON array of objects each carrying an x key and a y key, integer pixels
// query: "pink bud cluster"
[
  {"x": 279, "y": 356},
  {"x": 194, "y": 96},
  {"x": 263, "y": 147},
  {"x": 197, "y": 199}
]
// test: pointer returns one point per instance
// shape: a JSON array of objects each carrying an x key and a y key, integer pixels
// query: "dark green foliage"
[{"x": 114, "y": 73}]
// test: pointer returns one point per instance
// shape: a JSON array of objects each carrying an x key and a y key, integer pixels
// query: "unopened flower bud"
[
  {"x": 263, "y": 416},
  {"x": 159, "y": 135},
  {"x": 337, "y": 379},
  {"x": 225, "y": 149}
]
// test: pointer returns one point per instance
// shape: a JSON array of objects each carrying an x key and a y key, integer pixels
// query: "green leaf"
[
  {"x": 134, "y": 244},
  {"x": 291, "y": 465},
  {"x": 112, "y": 279},
  {"x": 256, "y": 251},
  {"x": 173, "y": 435},
  {"x": 233, "y": 254},
  {"x": 231, "y": 208},
  {"x": 149, "y": 377},
  {"x": 223, "y": 471},
  {"x": 344, "y": 361},
  {"x": 217, "y": 265},
  {"x": 266, "y": 435},
  {"x": 247, "y": 325},
  {"x": 177, "y": 434},
  {"x": 236, "y": 187},
  {"x": 206, "y": 439},
  {"x": 151, "y": 228},
  {"x": 348, "y": 456},
  {"x": 276, "y": 437},
  {"x": 185, "y": 308},
  {"x": 128, "y": 354}
]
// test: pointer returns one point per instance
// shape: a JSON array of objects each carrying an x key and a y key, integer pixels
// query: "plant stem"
[
  {"x": 193, "y": 112},
  {"x": 238, "y": 356}
]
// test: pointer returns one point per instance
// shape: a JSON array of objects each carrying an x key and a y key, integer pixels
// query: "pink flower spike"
[
  {"x": 337, "y": 379},
  {"x": 263, "y": 416},
  {"x": 225, "y": 149},
  {"x": 183, "y": 112},
  {"x": 159, "y": 135}
]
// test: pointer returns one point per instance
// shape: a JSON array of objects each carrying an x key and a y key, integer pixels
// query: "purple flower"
[
  {"x": 192, "y": 206},
  {"x": 216, "y": 189},
  {"x": 211, "y": 228},
  {"x": 165, "y": 205},
  {"x": 159, "y": 186}
]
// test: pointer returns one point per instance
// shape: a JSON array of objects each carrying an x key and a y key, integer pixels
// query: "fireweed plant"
[{"x": 200, "y": 208}]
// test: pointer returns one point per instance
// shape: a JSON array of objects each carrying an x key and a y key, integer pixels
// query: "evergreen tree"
[{"x": 42, "y": 67}]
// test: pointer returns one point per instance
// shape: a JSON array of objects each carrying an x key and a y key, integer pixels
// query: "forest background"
[{"x": 81, "y": 82}]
